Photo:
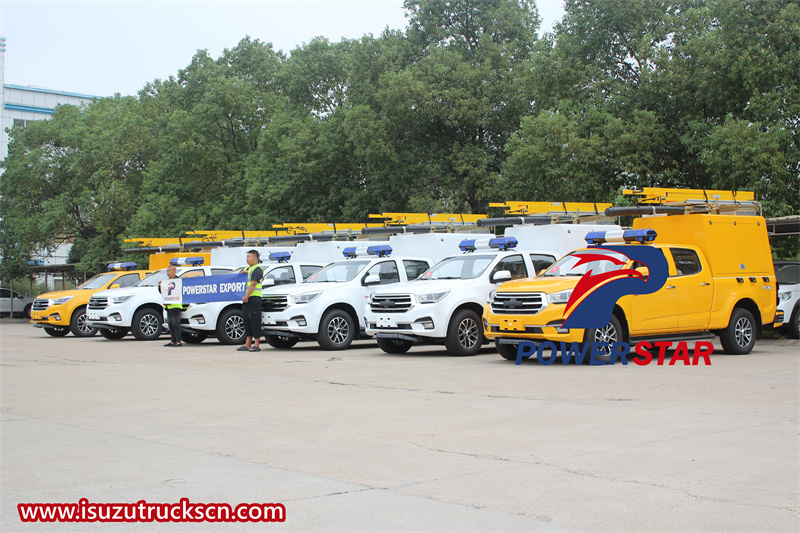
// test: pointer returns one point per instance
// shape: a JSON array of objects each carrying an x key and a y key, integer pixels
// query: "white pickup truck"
[
  {"x": 444, "y": 306},
  {"x": 224, "y": 319},
  {"x": 329, "y": 305},
  {"x": 138, "y": 308}
]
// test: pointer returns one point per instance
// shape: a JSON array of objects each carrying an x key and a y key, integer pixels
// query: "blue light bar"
[
  {"x": 467, "y": 245},
  {"x": 350, "y": 252},
  {"x": 280, "y": 257},
  {"x": 121, "y": 266},
  {"x": 382, "y": 250},
  {"x": 503, "y": 243},
  {"x": 639, "y": 235},
  {"x": 180, "y": 261},
  {"x": 596, "y": 237}
]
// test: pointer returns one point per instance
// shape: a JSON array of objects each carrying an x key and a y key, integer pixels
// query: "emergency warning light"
[
  {"x": 280, "y": 257},
  {"x": 382, "y": 250},
  {"x": 350, "y": 252},
  {"x": 467, "y": 245},
  {"x": 503, "y": 243},
  {"x": 631, "y": 235},
  {"x": 121, "y": 266},
  {"x": 182, "y": 261}
]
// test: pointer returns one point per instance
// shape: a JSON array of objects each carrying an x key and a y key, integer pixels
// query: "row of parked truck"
[{"x": 460, "y": 290}]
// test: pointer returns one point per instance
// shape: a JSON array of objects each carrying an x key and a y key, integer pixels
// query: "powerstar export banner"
[{"x": 203, "y": 289}]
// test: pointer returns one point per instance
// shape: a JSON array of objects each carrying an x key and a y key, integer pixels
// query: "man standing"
[
  {"x": 251, "y": 304},
  {"x": 173, "y": 315}
]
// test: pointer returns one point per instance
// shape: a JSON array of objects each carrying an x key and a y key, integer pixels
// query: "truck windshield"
[
  {"x": 97, "y": 282},
  {"x": 459, "y": 267},
  {"x": 568, "y": 265},
  {"x": 337, "y": 272},
  {"x": 153, "y": 279}
]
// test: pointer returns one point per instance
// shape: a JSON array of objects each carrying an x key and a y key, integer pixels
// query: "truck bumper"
[{"x": 418, "y": 323}]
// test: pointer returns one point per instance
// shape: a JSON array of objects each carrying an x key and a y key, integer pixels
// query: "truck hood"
[
  {"x": 547, "y": 285},
  {"x": 60, "y": 294},
  {"x": 300, "y": 288},
  {"x": 125, "y": 291},
  {"x": 425, "y": 286}
]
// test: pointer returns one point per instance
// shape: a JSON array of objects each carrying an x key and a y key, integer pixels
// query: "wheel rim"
[
  {"x": 83, "y": 324},
  {"x": 149, "y": 325},
  {"x": 743, "y": 332},
  {"x": 338, "y": 330},
  {"x": 234, "y": 327},
  {"x": 468, "y": 333},
  {"x": 607, "y": 334}
]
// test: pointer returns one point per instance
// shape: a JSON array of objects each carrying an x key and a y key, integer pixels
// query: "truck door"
[
  {"x": 654, "y": 313},
  {"x": 695, "y": 289}
]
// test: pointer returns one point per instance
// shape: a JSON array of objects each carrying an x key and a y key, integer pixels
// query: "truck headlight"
[
  {"x": 432, "y": 297},
  {"x": 305, "y": 297},
  {"x": 62, "y": 300},
  {"x": 560, "y": 297},
  {"x": 120, "y": 299},
  {"x": 785, "y": 296},
  {"x": 491, "y": 296}
]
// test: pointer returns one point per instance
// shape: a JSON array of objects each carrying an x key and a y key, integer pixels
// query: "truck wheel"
[
  {"x": 282, "y": 342},
  {"x": 612, "y": 332},
  {"x": 794, "y": 324},
  {"x": 394, "y": 345},
  {"x": 146, "y": 325},
  {"x": 27, "y": 312},
  {"x": 79, "y": 324},
  {"x": 337, "y": 330},
  {"x": 114, "y": 334},
  {"x": 508, "y": 351},
  {"x": 193, "y": 337},
  {"x": 464, "y": 334},
  {"x": 56, "y": 331},
  {"x": 740, "y": 335},
  {"x": 230, "y": 327}
]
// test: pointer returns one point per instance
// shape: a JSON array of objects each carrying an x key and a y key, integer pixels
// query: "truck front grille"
[
  {"x": 517, "y": 303},
  {"x": 98, "y": 303},
  {"x": 394, "y": 303},
  {"x": 40, "y": 304},
  {"x": 274, "y": 303}
]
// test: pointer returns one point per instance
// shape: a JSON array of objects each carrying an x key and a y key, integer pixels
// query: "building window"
[{"x": 20, "y": 122}]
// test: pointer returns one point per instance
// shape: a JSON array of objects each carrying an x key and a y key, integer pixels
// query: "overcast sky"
[{"x": 104, "y": 47}]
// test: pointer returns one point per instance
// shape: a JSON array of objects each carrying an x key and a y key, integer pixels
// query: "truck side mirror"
[
  {"x": 114, "y": 286},
  {"x": 269, "y": 282},
  {"x": 501, "y": 276},
  {"x": 372, "y": 279}
]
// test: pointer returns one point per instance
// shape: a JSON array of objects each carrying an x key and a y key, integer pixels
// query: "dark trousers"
[
  {"x": 174, "y": 323},
  {"x": 252, "y": 317}
]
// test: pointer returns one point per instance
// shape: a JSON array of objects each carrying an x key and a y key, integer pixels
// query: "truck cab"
[
  {"x": 329, "y": 305},
  {"x": 138, "y": 309},
  {"x": 720, "y": 282},
  {"x": 62, "y": 312},
  {"x": 224, "y": 319}
]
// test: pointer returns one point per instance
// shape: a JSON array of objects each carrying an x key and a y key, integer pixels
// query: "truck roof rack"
[{"x": 688, "y": 201}]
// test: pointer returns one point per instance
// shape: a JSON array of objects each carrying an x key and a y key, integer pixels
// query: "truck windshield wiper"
[{"x": 448, "y": 277}]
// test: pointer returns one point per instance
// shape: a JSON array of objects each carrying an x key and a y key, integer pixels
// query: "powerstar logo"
[
  {"x": 591, "y": 305},
  {"x": 170, "y": 288}
]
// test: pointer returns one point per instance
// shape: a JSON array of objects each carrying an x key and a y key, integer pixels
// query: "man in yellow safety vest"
[{"x": 251, "y": 304}]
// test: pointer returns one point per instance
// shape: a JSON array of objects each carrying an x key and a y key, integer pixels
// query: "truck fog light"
[
  {"x": 562, "y": 330},
  {"x": 300, "y": 319},
  {"x": 55, "y": 316},
  {"x": 115, "y": 317},
  {"x": 427, "y": 322},
  {"x": 199, "y": 318}
]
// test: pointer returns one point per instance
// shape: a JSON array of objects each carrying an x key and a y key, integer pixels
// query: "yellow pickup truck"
[
  {"x": 720, "y": 281},
  {"x": 64, "y": 311}
]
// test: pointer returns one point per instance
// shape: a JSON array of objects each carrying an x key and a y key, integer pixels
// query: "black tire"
[
  {"x": 27, "y": 312},
  {"x": 114, "y": 334},
  {"x": 394, "y": 345},
  {"x": 612, "y": 332},
  {"x": 740, "y": 335},
  {"x": 56, "y": 331},
  {"x": 147, "y": 324},
  {"x": 193, "y": 336},
  {"x": 464, "y": 334},
  {"x": 79, "y": 324},
  {"x": 508, "y": 351},
  {"x": 281, "y": 342},
  {"x": 337, "y": 329},
  {"x": 230, "y": 327},
  {"x": 794, "y": 325}
]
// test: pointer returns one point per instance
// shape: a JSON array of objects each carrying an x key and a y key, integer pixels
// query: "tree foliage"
[{"x": 466, "y": 106}]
